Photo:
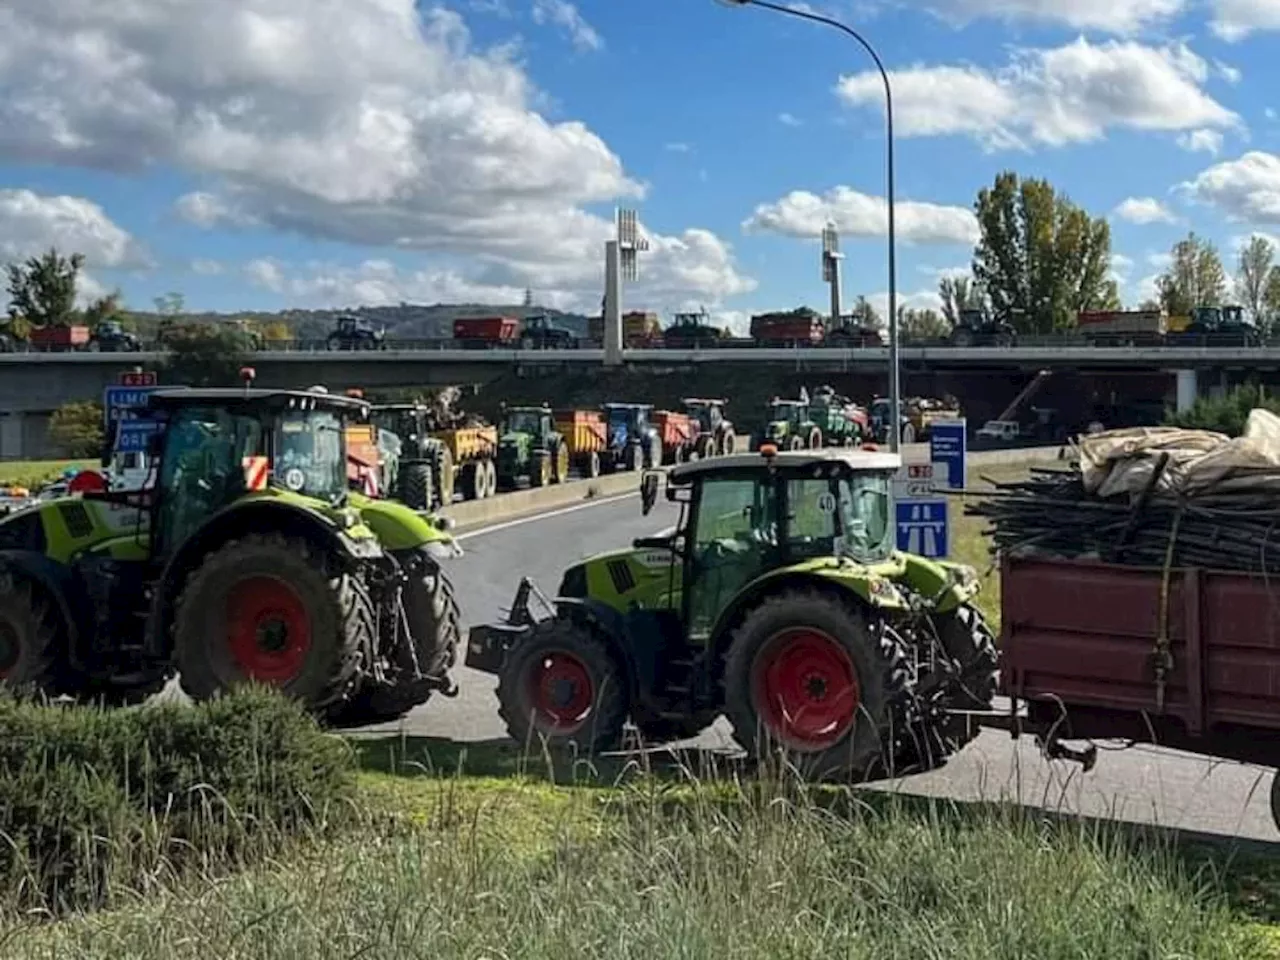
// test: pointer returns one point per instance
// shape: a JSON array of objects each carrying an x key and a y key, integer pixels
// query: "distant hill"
[{"x": 405, "y": 321}]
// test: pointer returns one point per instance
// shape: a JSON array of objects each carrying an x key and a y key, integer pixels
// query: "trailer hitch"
[{"x": 1057, "y": 750}]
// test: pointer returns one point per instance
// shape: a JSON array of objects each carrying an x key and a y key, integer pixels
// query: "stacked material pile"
[{"x": 1153, "y": 496}]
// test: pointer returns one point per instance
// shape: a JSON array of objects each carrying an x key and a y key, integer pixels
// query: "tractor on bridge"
[
  {"x": 977, "y": 327},
  {"x": 249, "y": 560},
  {"x": 354, "y": 333},
  {"x": 779, "y": 599}
]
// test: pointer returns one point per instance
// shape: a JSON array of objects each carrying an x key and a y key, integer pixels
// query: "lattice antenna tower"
[
  {"x": 831, "y": 257},
  {"x": 630, "y": 242}
]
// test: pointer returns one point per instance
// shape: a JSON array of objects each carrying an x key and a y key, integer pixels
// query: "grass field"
[
  {"x": 32, "y": 473},
  {"x": 480, "y": 852}
]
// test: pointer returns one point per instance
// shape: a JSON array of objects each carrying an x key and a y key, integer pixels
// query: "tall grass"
[
  {"x": 98, "y": 804},
  {"x": 655, "y": 870}
]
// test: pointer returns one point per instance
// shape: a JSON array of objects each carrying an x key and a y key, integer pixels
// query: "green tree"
[
  {"x": 1195, "y": 278},
  {"x": 106, "y": 309},
  {"x": 75, "y": 430},
  {"x": 205, "y": 354},
  {"x": 1253, "y": 273},
  {"x": 864, "y": 314},
  {"x": 959, "y": 294},
  {"x": 1041, "y": 258},
  {"x": 42, "y": 291},
  {"x": 923, "y": 324},
  {"x": 1271, "y": 298}
]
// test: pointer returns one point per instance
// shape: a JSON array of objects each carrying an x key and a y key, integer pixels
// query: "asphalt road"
[{"x": 1142, "y": 784}]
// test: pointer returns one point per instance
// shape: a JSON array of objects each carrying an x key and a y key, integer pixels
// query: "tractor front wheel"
[
  {"x": 563, "y": 684},
  {"x": 540, "y": 469},
  {"x": 806, "y": 673},
  {"x": 415, "y": 486},
  {"x": 264, "y": 609},
  {"x": 794, "y": 442},
  {"x": 30, "y": 654},
  {"x": 560, "y": 464}
]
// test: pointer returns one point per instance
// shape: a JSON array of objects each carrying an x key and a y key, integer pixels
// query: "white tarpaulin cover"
[{"x": 1200, "y": 461}]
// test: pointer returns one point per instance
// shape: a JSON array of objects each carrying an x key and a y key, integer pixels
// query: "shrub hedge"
[{"x": 1225, "y": 414}]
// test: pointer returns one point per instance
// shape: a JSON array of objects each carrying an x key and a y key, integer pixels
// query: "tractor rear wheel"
[
  {"x": 30, "y": 637},
  {"x": 633, "y": 457},
  {"x": 563, "y": 684},
  {"x": 559, "y": 463},
  {"x": 540, "y": 469},
  {"x": 265, "y": 609},
  {"x": 706, "y": 447},
  {"x": 814, "y": 441},
  {"x": 728, "y": 443},
  {"x": 415, "y": 486},
  {"x": 653, "y": 453},
  {"x": 806, "y": 672},
  {"x": 431, "y": 609},
  {"x": 968, "y": 643}
]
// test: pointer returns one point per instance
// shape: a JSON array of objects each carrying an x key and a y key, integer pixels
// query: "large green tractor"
[
  {"x": 529, "y": 445},
  {"x": 780, "y": 600},
  {"x": 423, "y": 471},
  {"x": 790, "y": 427},
  {"x": 248, "y": 561}
]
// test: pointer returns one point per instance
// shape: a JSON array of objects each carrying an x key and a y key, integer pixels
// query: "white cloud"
[
  {"x": 1121, "y": 267},
  {"x": 31, "y": 223},
  {"x": 1236, "y": 19},
  {"x": 789, "y": 120},
  {"x": 1144, "y": 210},
  {"x": 1114, "y": 16},
  {"x": 566, "y": 16},
  {"x": 1247, "y": 189},
  {"x": 1201, "y": 141},
  {"x": 1161, "y": 261},
  {"x": 677, "y": 147},
  {"x": 266, "y": 274},
  {"x": 366, "y": 122},
  {"x": 737, "y": 321},
  {"x": 207, "y": 268},
  {"x": 1240, "y": 241},
  {"x": 918, "y": 300},
  {"x": 1068, "y": 94},
  {"x": 804, "y": 214},
  {"x": 1146, "y": 289},
  {"x": 939, "y": 273},
  {"x": 1227, "y": 72}
]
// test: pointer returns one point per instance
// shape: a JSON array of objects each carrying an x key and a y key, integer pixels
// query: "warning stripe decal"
[{"x": 255, "y": 472}]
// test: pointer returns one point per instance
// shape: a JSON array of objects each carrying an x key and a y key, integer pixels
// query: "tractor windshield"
[
  {"x": 400, "y": 422},
  {"x": 845, "y": 516},
  {"x": 309, "y": 457},
  {"x": 523, "y": 421}
]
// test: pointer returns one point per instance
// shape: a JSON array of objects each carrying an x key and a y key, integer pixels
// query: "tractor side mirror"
[{"x": 648, "y": 492}]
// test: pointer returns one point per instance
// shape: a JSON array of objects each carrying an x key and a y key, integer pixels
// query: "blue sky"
[{"x": 276, "y": 153}]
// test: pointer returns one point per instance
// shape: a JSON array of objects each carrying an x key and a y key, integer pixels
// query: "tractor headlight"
[
  {"x": 348, "y": 518},
  {"x": 445, "y": 549}
]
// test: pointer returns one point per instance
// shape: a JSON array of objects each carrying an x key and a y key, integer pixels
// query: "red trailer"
[
  {"x": 678, "y": 433},
  {"x": 798, "y": 328},
  {"x": 486, "y": 332},
  {"x": 1189, "y": 660},
  {"x": 57, "y": 339}
]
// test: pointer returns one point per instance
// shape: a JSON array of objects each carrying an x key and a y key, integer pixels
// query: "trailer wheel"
[
  {"x": 471, "y": 480},
  {"x": 443, "y": 475},
  {"x": 489, "y": 469},
  {"x": 589, "y": 464}
]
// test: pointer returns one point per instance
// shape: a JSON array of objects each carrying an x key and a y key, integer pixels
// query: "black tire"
[
  {"x": 32, "y": 638},
  {"x": 559, "y": 463},
  {"x": 471, "y": 481},
  {"x": 489, "y": 469},
  {"x": 1275, "y": 798},
  {"x": 540, "y": 469},
  {"x": 874, "y": 653},
  {"x": 442, "y": 467},
  {"x": 728, "y": 443},
  {"x": 633, "y": 457},
  {"x": 333, "y": 343},
  {"x": 908, "y": 433},
  {"x": 814, "y": 439},
  {"x": 558, "y": 642},
  {"x": 706, "y": 447},
  {"x": 794, "y": 442},
  {"x": 431, "y": 608},
  {"x": 589, "y": 465},
  {"x": 415, "y": 486},
  {"x": 970, "y": 646},
  {"x": 340, "y": 622}
]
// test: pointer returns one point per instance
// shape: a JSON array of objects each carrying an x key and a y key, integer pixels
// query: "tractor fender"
[
  {"x": 861, "y": 587},
  {"x": 397, "y": 526},
  {"x": 945, "y": 584},
  {"x": 60, "y": 584},
  {"x": 237, "y": 520}
]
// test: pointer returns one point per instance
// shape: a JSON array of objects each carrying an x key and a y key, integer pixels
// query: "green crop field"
[
  {"x": 32, "y": 473},
  {"x": 485, "y": 851}
]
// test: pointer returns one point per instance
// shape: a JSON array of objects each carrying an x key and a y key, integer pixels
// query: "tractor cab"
[
  {"x": 533, "y": 421},
  {"x": 708, "y": 413},
  {"x": 787, "y": 423}
]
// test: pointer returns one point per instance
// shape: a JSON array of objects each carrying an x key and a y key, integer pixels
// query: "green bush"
[
  {"x": 1225, "y": 414},
  {"x": 94, "y": 803}
]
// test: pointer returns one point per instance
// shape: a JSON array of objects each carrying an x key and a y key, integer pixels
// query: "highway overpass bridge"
[{"x": 34, "y": 384}]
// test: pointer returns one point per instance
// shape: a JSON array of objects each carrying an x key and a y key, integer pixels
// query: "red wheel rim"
[
  {"x": 806, "y": 689},
  {"x": 269, "y": 629},
  {"x": 561, "y": 691}
]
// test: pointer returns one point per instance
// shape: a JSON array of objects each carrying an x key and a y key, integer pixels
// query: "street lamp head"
[{"x": 733, "y": 3}]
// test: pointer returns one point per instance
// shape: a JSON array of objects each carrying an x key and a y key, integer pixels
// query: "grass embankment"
[
  {"x": 33, "y": 473},
  {"x": 478, "y": 851}
]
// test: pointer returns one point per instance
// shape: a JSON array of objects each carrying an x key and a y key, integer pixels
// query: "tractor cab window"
[
  {"x": 400, "y": 422},
  {"x": 524, "y": 421},
  {"x": 840, "y": 516},
  {"x": 733, "y": 541},
  {"x": 202, "y": 469},
  {"x": 309, "y": 456}
]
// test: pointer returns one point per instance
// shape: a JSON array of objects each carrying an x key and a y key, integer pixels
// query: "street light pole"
[{"x": 895, "y": 383}]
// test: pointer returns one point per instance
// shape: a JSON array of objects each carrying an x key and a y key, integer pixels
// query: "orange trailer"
[
  {"x": 585, "y": 437},
  {"x": 679, "y": 434}
]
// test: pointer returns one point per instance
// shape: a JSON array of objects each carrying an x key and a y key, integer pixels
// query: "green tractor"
[
  {"x": 778, "y": 599},
  {"x": 529, "y": 445},
  {"x": 422, "y": 474},
  {"x": 249, "y": 561},
  {"x": 790, "y": 426}
]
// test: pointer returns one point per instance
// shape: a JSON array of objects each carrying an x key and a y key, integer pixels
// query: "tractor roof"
[
  {"x": 240, "y": 398},
  {"x": 627, "y": 406},
  {"x": 399, "y": 406},
  {"x": 706, "y": 401},
  {"x": 527, "y": 408},
  {"x": 861, "y": 461}
]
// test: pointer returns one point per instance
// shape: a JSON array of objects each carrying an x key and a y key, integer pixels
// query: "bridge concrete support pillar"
[
  {"x": 612, "y": 304},
  {"x": 1187, "y": 389},
  {"x": 11, "y": 439}
]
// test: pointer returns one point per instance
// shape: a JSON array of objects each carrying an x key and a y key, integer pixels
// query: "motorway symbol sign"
[
  {"x": 948, "y": 444},
  {"x": 922, "y": 527}
]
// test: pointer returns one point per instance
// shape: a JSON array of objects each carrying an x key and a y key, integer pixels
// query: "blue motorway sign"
[
  {"x": 117, "y": 401},
  {"x": 949, "y": 446},
  {"x": 922, "y": 527},
  {"x": 133, "y": 434}
]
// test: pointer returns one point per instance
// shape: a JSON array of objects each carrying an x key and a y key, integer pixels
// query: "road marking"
[{"x": 598, "y": 502}]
